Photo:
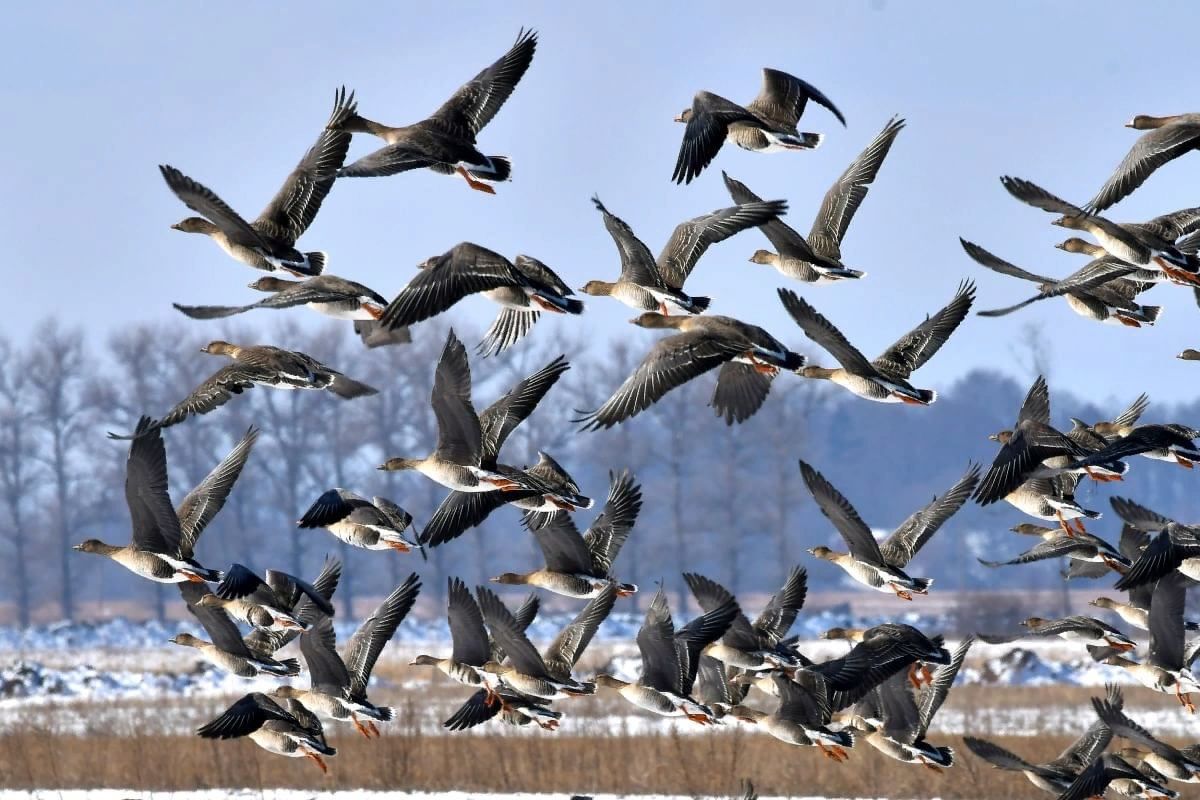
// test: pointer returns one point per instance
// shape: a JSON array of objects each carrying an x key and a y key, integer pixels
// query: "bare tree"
[
  {"x": 58, "y": 369},
  {"x": 19, "y": 473}
]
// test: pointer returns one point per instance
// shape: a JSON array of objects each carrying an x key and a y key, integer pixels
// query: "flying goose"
[
  {"x": 818, "y": 259},
  {"x": 1110, "y": 770},
  {"x": 1174, "y": 547},
  {"x": 670, "y": 660},
  {"x": 326, "y": 294},
  {"x": 647, "y": 284},
  {"x": 803, "y": 716},
  {"x": 1075, "y": 628},
  {"x": 547, "y": 486},
  {"x": 577, "y": 565},
  {"x": 545, "y": 675},
  {"x": 1150, "y": 245},
  {"x": 1096, "y": 291},
  {"x": 895, "y": 722},
  {"x": 1174, "y": 764},
  {"x": 269, "y": 242},
  {"x": 1034, "y": 449},
  {"x": 1166, "y": 139},
  {"x": 472, "y": 649},
  {"x": 286, "y": 729},
  {"x": 1167, "y": 667},
  {"x": 266, "y": 604},
  {"x": 767, "y": 124},
  {"x": 522, "y": 288},
  {"x": 338, "y": 684},
  {"x": 749, "y": 358},
  {"x": 445, "y": 142},
  {"x": 261, "y": 365},
  {"x": 754, "y": 647},
  {"x": 881, "y": 566},
  {"x": 471, "y": 645},
  {"x": 458, "y": 461},
  {"x": 157, "y": 549},
  {"x": 1083, "y": 547},
  {"x": 378, "y": 524},
  {"x": 884, "y": 380},
  {"x": 1053, "y": 776}
]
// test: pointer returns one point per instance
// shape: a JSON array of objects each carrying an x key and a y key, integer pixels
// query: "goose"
[
  {"x": 545, "y": 675},
  {"x": 326, "y": 294},
  {"x": 286, "y": 729},
  {"x": 649, "y": 284},
  {"x": 377, "y": 524},
  {"x": 802, "y": 718},
  {"x": 548, "y": 486},
  {"x": 884, "y": 380},
  {"x": 1034, "y": 449},
  {"x": 895, "y": 722},
  {"x": 445, "y": 142},
  {"x": 338, "y": 684},
  {"x": 1167, "y": 667},
  {"x": 670, "y": 660},
  {"x": 269, "y": 242},
  {"x": 458, "y": 460},
  {"x": 767, "y": 124},
  {"x": 1097, "y": 291},
  {"x": 266, "y": 604},
  {"x": 158, "y": 549},
  {"x": 1172, "y": 763},
  {"x": 1053, "y": 776},
  {"x": 1151, "y": 245},
  {"x": 261, "y": 365},
  {"x": 754, "y": 647},
  {"x": 522, "y": 288},
  {"x": 1166, "y": 139},
  {"x": 581, "y": 566},
  {"x": 1109, "y": 770},
  {"x": 1075, "y": 628},
  {"x": 881, "y": 566},
  {"x": 1174, "y": 548},
  {"x": 749, "y": 358},
  {"x": 1052, "y": 499},
  {"x": 817, "y": 259}
]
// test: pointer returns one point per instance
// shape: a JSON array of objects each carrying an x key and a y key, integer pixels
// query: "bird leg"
[
  {"x": 361, "y": 728},
  {"x": 474, "y": 184},
  {"x": 913, "y": 677},
  {"x": 699, "y": 719},
  {"x": 1185, "y": 700},
  {"x": 901, "y": 593},
  {"x": 1127, "y": 321},
  {"x": 761, "y": 366},
  {"x": 375, "y": 311},
  {"x": 316, "y": 759},
  {"x": 825, "y": 751},
  {"x": 903, "y": 398},
  {"x": 1079, "y": 525},
  {"x": 547, "y": 724},
  {"x": 1064, "y": 524},
  {"x": 1115, "y": 566},
  {"x": 662, "y": 309},
  {"x": 399, "y": 547},
  {"x": 840, "y": 752},
  {"x": 193, "y": 577},
  {"x": 371, "y": 726},
  {"x": 1183, "y": 462},
  {"x": 503, "y": 484},
  {"x": 927, "y": 764},
  {"x": 545, "y": 304}
]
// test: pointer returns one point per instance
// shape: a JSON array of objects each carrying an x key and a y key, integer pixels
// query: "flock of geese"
[{"x": 889, "y": 684}]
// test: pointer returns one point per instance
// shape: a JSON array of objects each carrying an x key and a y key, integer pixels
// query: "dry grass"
[{"x": 688, "y": 765}]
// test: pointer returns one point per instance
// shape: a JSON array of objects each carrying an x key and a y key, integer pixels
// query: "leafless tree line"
[{"x": 724, "y": 500}]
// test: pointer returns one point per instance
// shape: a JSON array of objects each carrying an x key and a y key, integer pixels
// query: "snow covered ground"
[{"x": 288, "y": 794}]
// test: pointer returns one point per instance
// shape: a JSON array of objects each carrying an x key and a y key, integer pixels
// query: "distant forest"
[{"x": 725, "y": 501}]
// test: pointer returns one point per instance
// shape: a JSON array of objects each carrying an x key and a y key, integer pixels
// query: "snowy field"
[
  {"x": 285, "y": 794},
  {"x": 115, "y": 677}
]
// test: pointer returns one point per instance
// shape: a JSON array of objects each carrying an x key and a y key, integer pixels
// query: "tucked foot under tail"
[{"x": 478, "y": 186}]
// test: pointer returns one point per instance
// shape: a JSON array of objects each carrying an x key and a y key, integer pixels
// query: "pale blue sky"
[{"x": 96, "y": 95}]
